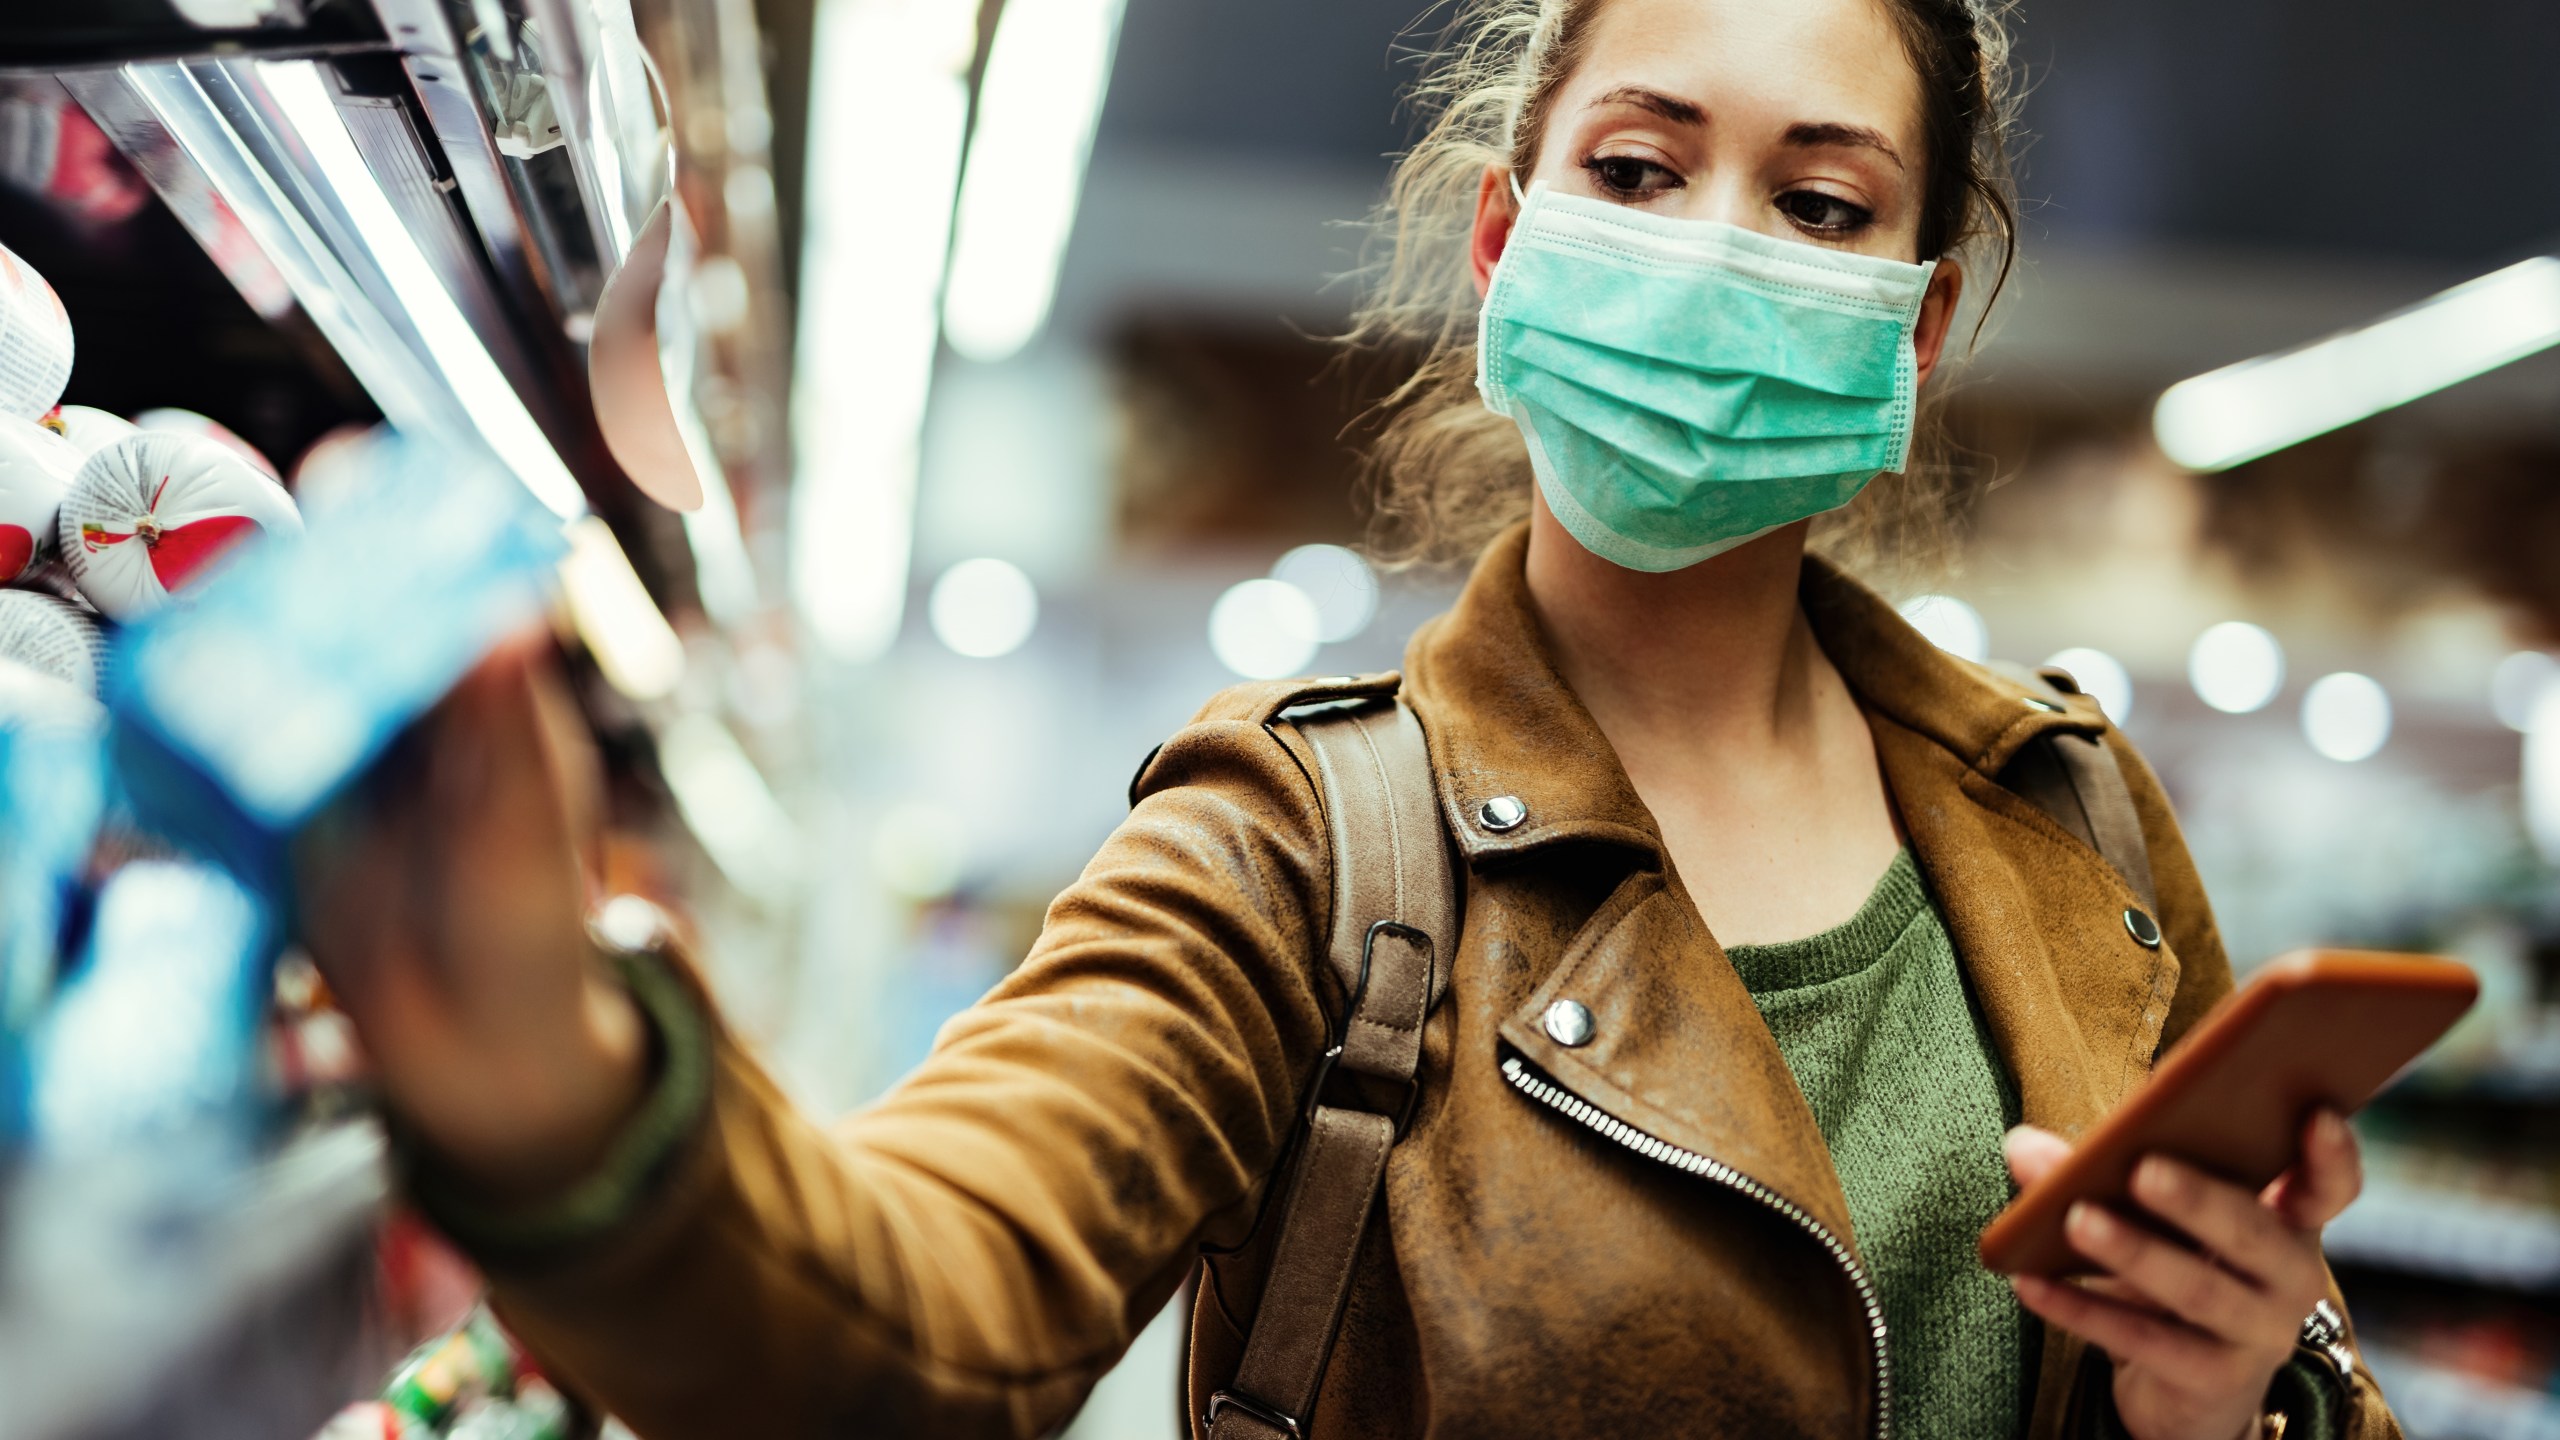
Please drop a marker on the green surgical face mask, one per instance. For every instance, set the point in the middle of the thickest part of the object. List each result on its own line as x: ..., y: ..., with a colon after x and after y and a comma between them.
x: 1686, y: 385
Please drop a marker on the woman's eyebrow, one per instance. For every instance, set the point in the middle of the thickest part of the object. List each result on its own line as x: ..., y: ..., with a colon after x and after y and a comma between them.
x: 1669, y: 107
x: 1817, y: 135
x: 1804, y: 135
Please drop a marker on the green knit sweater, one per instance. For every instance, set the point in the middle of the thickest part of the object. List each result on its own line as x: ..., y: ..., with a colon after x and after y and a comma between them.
x: 1874, y: 1020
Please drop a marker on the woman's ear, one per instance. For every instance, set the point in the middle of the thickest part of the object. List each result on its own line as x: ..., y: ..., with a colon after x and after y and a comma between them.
x: 1937, y: 309
x: 1494, y: 214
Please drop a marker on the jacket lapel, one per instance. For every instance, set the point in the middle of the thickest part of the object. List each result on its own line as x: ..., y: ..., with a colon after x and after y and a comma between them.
x: 2073, y: 1003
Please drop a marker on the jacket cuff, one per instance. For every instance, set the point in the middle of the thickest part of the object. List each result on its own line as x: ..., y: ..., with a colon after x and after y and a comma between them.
x: 2307, y: 1392
x: 636, y: 1165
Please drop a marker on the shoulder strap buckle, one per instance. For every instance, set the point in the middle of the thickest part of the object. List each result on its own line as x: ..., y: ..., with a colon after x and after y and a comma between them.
x: 1251, y: 1409
x: 1320, y: 1088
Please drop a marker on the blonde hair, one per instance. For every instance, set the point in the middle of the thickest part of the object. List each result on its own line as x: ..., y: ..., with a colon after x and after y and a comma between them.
x: 1444, y: 474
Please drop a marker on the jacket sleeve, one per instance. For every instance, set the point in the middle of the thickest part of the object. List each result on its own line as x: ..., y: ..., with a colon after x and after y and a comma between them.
x: 2317, y: 1401
x: 967, y: 1255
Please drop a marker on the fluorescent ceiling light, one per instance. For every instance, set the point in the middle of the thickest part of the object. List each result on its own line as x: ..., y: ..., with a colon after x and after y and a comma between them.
x: 871, y: 271
x: 451, y: 343
x: 2243, y: 411
x: 1046, y: 73
x: 634, y: 645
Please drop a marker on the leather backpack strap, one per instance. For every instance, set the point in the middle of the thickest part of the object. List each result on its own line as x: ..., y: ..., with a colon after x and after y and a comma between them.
x: 1393, y: 929
x: 2078, y: 781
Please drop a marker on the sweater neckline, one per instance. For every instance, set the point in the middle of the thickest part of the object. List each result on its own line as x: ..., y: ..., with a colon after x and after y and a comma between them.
x: 1890, y: 909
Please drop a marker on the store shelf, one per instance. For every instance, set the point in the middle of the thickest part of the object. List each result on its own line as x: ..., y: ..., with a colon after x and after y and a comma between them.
x: 2451, y: 1235
x: 2538, y: 1084
x: 132, y: 1306
x: 2434, y: 1403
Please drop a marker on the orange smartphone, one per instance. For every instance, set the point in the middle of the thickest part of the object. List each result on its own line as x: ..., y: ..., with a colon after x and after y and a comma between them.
x: 2314, y: 1028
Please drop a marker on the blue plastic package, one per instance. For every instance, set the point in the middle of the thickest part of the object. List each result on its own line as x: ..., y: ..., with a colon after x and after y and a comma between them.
x: 52, y: 795
x: 53, y: 787
x: 155, y: 1034
x: 237, y: 718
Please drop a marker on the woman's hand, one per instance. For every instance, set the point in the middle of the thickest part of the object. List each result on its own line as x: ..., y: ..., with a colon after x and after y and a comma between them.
x: 2197, y: 1330
x: 446, y: 902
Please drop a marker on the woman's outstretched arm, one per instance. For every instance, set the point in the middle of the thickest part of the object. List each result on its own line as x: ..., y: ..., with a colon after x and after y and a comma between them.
x: 964, y: 1257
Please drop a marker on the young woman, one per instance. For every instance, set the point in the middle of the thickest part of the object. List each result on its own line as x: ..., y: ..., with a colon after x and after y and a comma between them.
x: 1742, y: 884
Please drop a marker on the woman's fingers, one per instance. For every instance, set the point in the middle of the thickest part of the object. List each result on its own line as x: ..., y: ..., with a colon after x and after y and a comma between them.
x: 444, y: 894
x: 2130, y: 1333
x: 2033, y: 1153
x: 517, y: 812
x: 2228, y: 1222
x: 2172, y: 1277
x: 2327, y: 1179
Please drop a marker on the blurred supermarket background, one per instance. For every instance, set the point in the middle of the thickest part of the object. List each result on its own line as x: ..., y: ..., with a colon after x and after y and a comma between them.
x: 995, y: 335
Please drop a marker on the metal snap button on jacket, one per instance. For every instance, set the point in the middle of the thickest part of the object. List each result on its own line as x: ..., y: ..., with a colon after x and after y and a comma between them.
x: 1502, y: 812
x: 1568, y: 1023
x: 2144, y: 929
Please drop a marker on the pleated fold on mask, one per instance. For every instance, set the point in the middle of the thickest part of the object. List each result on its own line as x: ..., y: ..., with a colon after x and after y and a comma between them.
x: 1687, y: 385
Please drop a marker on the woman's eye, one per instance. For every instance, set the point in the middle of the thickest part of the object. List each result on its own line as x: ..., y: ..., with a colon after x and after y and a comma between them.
x: 1626, y: 177
x: 1823, y: 214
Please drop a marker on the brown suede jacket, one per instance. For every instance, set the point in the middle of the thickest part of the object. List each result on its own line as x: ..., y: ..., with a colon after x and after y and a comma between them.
x: 968, y: 1255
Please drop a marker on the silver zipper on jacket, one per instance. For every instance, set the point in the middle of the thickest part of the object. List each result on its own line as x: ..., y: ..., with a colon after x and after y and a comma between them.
x: 1543, y: 1089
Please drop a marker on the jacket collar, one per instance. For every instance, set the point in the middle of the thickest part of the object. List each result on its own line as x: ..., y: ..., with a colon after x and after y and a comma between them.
x: 1502, y: 722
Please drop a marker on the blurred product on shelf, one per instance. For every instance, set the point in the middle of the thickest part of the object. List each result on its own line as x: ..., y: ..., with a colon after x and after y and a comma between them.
x: 315, y: 1061
x: 51, y: 637
x: 52, y: 793
x: 336, y: 465
x: 35, y: 340
x: 150, y: 514
x: 427, y: 1288
x: 473, y: 1383
x: 88, y: 428
x: 49, y: 147
x: 240, y: 715
x: 153, y: 1040
x: 31, y: 700
x: 176, y: 421
x: 472, y: 1363
x: 36, y: 469
x: 372, y: 1420
x: 2443, y: 1230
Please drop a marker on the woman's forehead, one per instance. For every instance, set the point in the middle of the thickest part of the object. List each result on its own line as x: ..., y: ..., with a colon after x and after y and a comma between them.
x: 1755, y: 64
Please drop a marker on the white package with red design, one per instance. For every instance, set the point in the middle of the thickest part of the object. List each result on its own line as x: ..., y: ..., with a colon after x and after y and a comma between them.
x: 189, y: 422
x: 150, y: 514
x: 88, y: 428
x: 35, y: 340
x: 36, y: 467
x: 54, y: 638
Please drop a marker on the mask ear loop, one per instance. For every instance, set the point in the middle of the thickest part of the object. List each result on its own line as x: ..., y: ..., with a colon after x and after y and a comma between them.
x: 1519, y: 201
